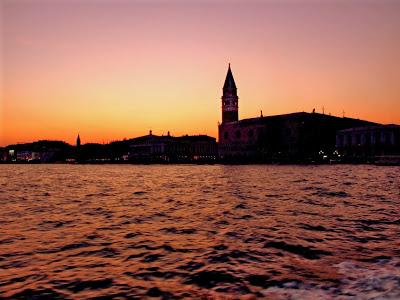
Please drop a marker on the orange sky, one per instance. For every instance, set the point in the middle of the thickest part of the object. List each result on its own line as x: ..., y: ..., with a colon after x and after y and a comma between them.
x: 115, y: 69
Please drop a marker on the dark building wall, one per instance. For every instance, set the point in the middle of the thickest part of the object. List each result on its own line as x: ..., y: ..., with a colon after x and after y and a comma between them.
x: 290, y: 137
x: 44, y: 151
x: 3, y: 154
x: 230, y: 116
x: 369, y: 141
x: 153, y: 148
x: 193, y: 148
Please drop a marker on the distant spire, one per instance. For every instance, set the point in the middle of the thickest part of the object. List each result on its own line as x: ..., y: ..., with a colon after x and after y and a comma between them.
x: 229, y: 81
x: 78, y: 141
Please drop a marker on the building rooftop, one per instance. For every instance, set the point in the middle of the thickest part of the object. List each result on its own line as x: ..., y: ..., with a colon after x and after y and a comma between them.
x: 300, y: 115
x: 373, y: 127
x: 229, y: 81
x: 191, y: 138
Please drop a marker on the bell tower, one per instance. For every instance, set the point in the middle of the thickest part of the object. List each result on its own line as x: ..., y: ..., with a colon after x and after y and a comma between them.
x: 230, y: 99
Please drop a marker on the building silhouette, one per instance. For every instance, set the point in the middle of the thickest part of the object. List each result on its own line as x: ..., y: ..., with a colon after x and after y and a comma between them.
x: 230, y: 99
x: 294, y: 137
x: 167, y: 148
x: 297, y: 137
x: 370, y: 143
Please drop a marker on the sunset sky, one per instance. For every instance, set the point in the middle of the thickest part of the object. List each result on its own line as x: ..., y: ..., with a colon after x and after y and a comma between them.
x: 114, y: 69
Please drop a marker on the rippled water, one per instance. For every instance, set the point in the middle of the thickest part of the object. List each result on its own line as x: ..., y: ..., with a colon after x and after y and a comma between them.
x: 123, y: 232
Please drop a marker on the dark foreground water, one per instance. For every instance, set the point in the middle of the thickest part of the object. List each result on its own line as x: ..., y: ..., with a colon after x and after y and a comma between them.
x: 123, y: 232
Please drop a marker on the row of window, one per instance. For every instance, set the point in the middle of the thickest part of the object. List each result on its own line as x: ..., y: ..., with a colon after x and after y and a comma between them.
x: 230, y: 102
x: 366, y: 138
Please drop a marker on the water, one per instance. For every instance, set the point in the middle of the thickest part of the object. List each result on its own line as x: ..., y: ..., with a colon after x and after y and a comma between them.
x: 123, y: 232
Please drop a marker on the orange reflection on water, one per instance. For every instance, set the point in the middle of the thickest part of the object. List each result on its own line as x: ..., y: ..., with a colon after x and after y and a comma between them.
x: 82, y: 231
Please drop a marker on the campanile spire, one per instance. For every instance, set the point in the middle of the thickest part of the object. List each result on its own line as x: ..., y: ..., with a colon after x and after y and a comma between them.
x: 229, y: 99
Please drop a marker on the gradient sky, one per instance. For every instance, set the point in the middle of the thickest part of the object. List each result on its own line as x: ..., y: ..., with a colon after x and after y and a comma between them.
x: 113, y: 69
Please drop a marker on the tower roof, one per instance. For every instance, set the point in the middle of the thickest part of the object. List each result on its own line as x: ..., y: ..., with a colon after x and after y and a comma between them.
x: 229, y: 81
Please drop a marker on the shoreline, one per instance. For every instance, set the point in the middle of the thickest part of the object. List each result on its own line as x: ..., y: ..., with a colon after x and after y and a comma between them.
x: 201, y: 163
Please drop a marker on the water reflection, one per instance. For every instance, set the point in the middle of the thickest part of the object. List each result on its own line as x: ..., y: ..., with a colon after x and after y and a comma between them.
x: 279, y: 232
